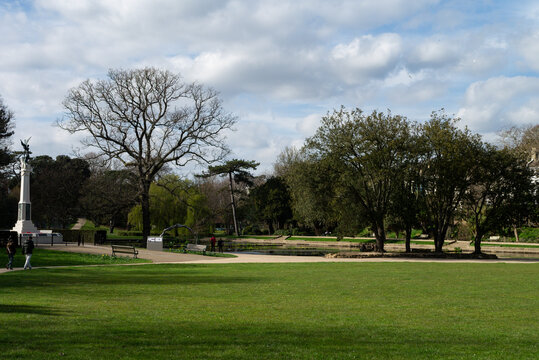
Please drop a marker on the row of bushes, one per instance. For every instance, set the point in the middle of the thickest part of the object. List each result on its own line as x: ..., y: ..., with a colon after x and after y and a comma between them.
x: 82, y: 236
x: 525, y: 234
x: 129, y: 233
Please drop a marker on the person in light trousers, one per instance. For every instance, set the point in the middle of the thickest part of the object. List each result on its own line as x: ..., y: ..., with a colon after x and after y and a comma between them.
x: 28, y: 249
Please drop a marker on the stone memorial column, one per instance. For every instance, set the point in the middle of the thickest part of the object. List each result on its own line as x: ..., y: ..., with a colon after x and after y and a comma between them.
x: 24, y: 221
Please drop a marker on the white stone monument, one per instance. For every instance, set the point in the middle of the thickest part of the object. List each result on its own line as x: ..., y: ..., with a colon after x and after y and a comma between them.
x: 24, y: 223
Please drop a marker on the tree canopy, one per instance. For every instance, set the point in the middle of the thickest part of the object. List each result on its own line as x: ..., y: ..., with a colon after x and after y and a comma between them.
x: 148, y: 118
x: 56, y: 189
x: 370, y: 152
x: 447, y: 163
x: 238, y: 172
x: 500, y: 194
x: 8, y: 205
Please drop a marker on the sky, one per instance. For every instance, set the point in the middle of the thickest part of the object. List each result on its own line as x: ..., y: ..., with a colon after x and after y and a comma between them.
x: 279, y: 66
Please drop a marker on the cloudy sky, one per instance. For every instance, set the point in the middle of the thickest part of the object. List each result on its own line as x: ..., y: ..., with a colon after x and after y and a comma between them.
x: 279, y: 65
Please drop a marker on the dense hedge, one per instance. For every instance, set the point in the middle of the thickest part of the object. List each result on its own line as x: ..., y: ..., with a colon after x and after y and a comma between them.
x: 76, y: 236
x: 129, y: 233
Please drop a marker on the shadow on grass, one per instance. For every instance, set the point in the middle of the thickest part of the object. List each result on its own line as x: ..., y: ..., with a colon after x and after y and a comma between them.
x: 262, y: 340
x: 29, y: 309
x: 136, y: 275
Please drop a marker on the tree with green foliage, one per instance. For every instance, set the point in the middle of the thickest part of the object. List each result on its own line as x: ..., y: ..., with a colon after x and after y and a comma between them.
x: 199, y: 217
x: 174, y: 201
x: 370, y: 151
x: 272, y: 203
x: 6, y: 131
x: 501, y: 193
x: 8, y: 204
x: 524, y: 141
x: 311, y: 181
x: 57, y: 186
x: 448, y: 162
x: 148, y: 119
x: 404, y: 208
x: 168, y: 206
x: 237, y: 171
x: 108, y: 195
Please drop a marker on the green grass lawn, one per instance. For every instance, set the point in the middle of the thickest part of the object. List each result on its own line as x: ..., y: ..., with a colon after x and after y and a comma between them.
x: 43, y: 257
x: 207, y: 253
x: 272, y: 311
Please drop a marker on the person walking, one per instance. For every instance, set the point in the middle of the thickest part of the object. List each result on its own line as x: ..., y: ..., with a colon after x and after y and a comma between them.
x: 11, y: 249
x: 28, y: 249
x: 220, y: 244
x: 212, y: 242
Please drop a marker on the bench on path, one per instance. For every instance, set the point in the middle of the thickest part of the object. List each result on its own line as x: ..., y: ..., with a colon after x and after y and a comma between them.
x: 196, y: 248
x: 126, y: 249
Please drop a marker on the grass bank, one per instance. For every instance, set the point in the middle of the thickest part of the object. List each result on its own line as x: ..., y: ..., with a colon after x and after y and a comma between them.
x: 273, y: 311
x: 43, y: 257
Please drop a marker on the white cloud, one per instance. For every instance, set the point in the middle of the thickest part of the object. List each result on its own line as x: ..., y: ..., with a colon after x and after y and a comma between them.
x: 501, y: 102
x: 46, y: 139
x: 366, y: 57
x: 529, y: 48
x: 277, y: 62
x: 435, y: 52
x: 309, y: 124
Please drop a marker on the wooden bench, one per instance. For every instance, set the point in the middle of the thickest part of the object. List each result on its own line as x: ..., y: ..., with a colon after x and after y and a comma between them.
x: 195, y: 248
x: 126, y: 249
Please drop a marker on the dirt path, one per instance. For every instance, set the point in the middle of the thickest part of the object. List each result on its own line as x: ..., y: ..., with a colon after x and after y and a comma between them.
x: 80, y: 223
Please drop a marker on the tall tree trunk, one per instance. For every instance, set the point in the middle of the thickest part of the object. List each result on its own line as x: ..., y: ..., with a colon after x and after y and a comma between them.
x: 477, y: 243
x: 515, y: 230
x: 270, y: 227
x: 380, y: 235
x: 438, y: 242
x: 408, y: 238
x: 145, y: 204
x: 233, y: 202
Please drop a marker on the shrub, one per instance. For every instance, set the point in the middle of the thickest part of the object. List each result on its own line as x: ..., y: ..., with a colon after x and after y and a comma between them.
x: 86, y: 236
x: 129, y: 233
x: 529, y: 234
x: 366, y: 232
x: 251, y: 230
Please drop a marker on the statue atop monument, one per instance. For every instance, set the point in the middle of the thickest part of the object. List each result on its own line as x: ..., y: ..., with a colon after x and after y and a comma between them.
x: 26, y: 146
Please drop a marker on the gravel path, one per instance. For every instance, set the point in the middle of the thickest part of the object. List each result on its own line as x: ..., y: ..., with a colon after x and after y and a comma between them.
x: 158, y: 257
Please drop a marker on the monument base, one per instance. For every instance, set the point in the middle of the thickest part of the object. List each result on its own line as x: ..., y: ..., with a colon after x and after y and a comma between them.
x: 25, y: 226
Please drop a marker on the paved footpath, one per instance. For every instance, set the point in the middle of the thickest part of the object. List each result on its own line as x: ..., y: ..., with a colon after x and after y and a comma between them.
x: 162, y: 257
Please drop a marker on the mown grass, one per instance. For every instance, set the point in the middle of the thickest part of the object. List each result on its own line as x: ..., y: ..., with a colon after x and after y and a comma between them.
x: 43, y: 257
x: 273, y: 311
x: 206, y: 253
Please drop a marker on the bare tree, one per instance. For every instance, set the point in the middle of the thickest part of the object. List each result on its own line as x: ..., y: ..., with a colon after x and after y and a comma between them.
x: 146, y: 119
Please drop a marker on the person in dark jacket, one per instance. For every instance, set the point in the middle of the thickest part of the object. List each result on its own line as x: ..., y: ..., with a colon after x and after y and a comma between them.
x: 220, y: 244
x: 11, y: 249
x: 28, y: 249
